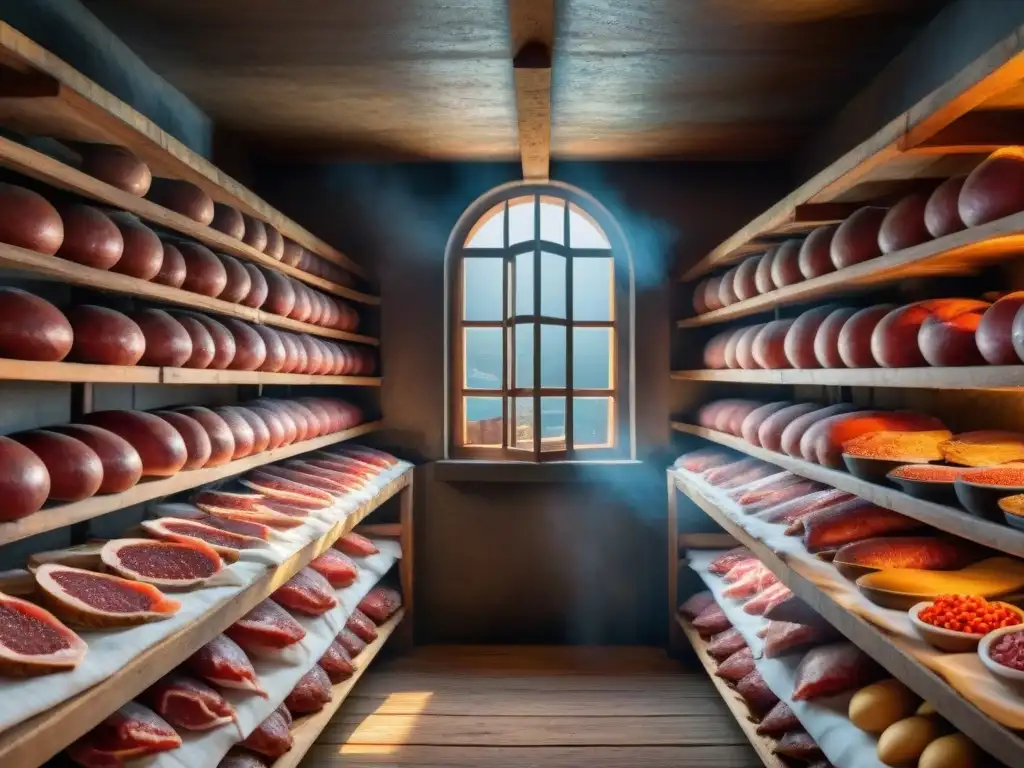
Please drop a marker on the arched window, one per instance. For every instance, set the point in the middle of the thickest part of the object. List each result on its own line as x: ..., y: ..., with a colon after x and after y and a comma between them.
x: 540, y: 300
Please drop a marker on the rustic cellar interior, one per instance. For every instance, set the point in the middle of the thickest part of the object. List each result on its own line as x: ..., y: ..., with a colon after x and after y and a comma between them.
x: 360, y: 363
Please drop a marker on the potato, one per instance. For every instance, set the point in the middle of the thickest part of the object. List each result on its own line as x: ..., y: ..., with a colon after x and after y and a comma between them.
x: 876, y: 707
x: 903, y: 742
x: 953, y: 751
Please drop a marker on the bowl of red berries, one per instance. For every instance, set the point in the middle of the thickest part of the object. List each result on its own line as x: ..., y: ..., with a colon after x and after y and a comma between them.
x: 957, y: 623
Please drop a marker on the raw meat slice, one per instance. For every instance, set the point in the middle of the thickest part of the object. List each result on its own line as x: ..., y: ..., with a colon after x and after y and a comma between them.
x: 228, y: 500
x: 737, y: 666
x: 725, y: 644
x: 718, y: 475
x: 792, y: 609
x: 223, y: 663
x: 354, y: 545
x: 286, y: 490
x: 307, y: 592
x: 796, y: 527
x: 248, y: 508
x: 695, y: 604
x: 335, y: 484
x: 741, y: 569
x: 367, y: 455
x: 239, y: 758
x: 753, y: 492
x: 187, y: 703
x: 343, y: 466
x: 711, y: 621
x: 271, y: 737
x: 833, y: 669
x: 190, y: 512
x: 268, y: 626
x: 380, y: 603
x: 33, y: 642
x: 164, y: 564
x: 99, y: 600
x: 783, y: 596
x: 757, y: 694
x: 333, y: 488
x: 778, y: 496
x: 337, y: 663
x: 800, y: 746
x: 361, y: 625
x: 350, y: 642
x: 337, y: 568
x: 779, y: 721
x: 349, y: 482
x: 702, y: 460
x: 833, y: 527
x: 796, y: 508
x: 133, y: 731
x: 757, y: 605
x: 311, y: 693
x: 225, y: 543
x: 723, y: 564
x: 784, y: 637
x: 751, y: 584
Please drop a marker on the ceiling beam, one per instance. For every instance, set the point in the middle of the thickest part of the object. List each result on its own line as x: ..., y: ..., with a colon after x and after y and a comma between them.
x: 532, y: 29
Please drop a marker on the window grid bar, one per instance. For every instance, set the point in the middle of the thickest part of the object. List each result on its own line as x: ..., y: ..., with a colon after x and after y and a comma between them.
x: 569, y: 438
x: 536, y: 327
x: 523, y: 319
x: 544, y: 392
x: 527, y: 245
x: 504, y: 332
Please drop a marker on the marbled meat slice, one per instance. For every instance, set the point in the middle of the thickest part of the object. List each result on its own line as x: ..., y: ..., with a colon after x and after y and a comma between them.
x: 792, y: 510
x: 737, y: 666
x: 754, y: 492
x: 271, y: 737
x: 268, y: 626
x: 757, y: 605
x: 311, y: 693
x: 343, y: 466
x: 337, y: 568
x: 187, y: 703
x: 224, y: 542
x: 695, y: 604
x: 724, y: 563
x: 725, y: 644
x: 711, y: 621
x: 347, y: 481
x: 240, y: 758
x: 757, y: 694
x: 361, y: 625
x: 223, y: 663
x: 350, y: 642
x: 307, y: 592
x: 337, y: 663
x: 354, y: 545
x: 315, y: 482
x: 751, y: 584
x: 380, y: 603
x: 131, y: 732
x: 784, y: 637
x: 833, y: 669
x: 282, y: 488
x: 98, y: 600
x: 779, y: 721
x: 34, y: 642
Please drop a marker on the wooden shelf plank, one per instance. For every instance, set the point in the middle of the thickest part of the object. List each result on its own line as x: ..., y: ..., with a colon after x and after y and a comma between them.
x: 1001, y: 742
x: 306, y: 730
x: 34, y: 741
x: 52, y: 268
x: 958, y: 253
x: 52, y: 518
x: 949, y: 519
x: 80, y: 110
x: 207, y: 376
x: 761, y: 744
x: 967, y: 377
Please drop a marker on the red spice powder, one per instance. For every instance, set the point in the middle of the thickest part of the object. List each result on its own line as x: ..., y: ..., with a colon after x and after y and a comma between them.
x: 928, y: 473
x: 1008, y: 475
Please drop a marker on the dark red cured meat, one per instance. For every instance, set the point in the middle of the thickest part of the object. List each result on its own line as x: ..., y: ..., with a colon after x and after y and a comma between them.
x: 239, y: 758
x: 344, y: 465
x: 354, y: 545
x: 753, y: 493
x: 725, y: 644
x: 757, y: 694
x: 737, y: 666
x: 695, y: 604
x: 168, y: 560
x: 189, y: 704
x: 757, y: 605
x: 109, y: 594
x: 832, y: 669
x: 223, y: 663
x: 711, y: 621
x: 368, y: 455
x: 311, y: 693
x: 267, y: 626
x: 361, y: 626
x: 784, y: 637
x: 779, y: 721
x: 282, y: 710
x: 307, y: 592
x: 795, y: 491
x: 333, y: 487
x: 752, y: 583
x: 838, y: 525
x: 1009, y: 651
x: 212, y: 530
x: 800, y: 746
x: 339, y: 481
x: 380, y: 603
x: 337, y: 663
x: 741, y: 569
x: 241, y: 527
x: 281, y: 488
x: 337, y: 568
x: 271, y: 737
x: 724, y: 564
x: 350, y: 642
x: 796, y: 508
x: 133, y: 731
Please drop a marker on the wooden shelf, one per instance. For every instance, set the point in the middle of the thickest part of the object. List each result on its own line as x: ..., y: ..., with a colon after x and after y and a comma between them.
x: 967, y: 377
x: 950, y: 519
x: 47, y: 97
x: 52, y: 268
x: 306, y: 730
x: 34, y: 741
x: 761, y: 744
x: 52, y: 518
x: 207, y: 376
x: 705, y: 541
x: 944, y: 134
x: 1001, y: 742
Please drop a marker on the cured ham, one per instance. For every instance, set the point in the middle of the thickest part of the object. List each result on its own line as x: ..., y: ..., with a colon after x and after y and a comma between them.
x: 723, y: 564
x: 98, y: 600
x: 227, y: 544
x: 333, y: 488
x: 784, y: 637
x: 752, y: 583
x: 246, y: 508
x: 311, y: 693
x: 223, y: 663
x: 271, y: 737
x: 345, y: 480
x: 380, y: 603
x: 190, y: 512
x: 741, y: 569
x: 307, y: 592
x: 354, y: 545
x: 285, y: 489
x: 367, y: 455
x: 337, y: 568
x: 189, y: 704
x: 800, y: 746
x: 337, y: 663
x: 695, y: 604
x: 361, y: 626
x: 239, y: 758
x: 756, y: 693
x: 348, y: 640
x: 833, y: 669
x: 34, y: 642
x: 133, y: 731
x: 722, y: 473
x: 725, y: 644
x: 737, y: 666
x: 758, y: 604
x: 779, y: 721
x: 268, y: 626
x: 711, y: 621
x: 767, y: 499
x: 343, y: 466
x: 794, y: 509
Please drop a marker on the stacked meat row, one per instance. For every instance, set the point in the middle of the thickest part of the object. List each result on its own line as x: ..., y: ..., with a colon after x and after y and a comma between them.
x: 992, y: 191
x: 32, y: 328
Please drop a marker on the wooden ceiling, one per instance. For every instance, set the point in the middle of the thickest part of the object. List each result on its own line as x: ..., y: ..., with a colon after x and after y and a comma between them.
x: 433, y: 79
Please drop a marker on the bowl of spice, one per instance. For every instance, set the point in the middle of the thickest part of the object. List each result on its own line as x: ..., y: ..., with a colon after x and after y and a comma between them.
x: 1002, y: 653
x: 1013, y: 510
x: 871, y: 456
x: 979, y: 490
x: 957, y: 623
x: 930, y: 482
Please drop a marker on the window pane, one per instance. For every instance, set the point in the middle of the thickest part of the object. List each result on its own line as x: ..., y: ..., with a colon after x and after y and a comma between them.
x: 591, y: 421
x: 483, y: 358
x: 552, y: 356
x: 552, y: 423
x: 552, y: 284
x: 552, y: 220
x: 592, y: 289
x: 521, y: 219
x: 523, y: 437
x: 482, y: 289
x: 524, y: 355
x: 483, y: 420
x: 524, y: 284
x: 491, y: 233
x: 583, y: 232
x: 591, y: 358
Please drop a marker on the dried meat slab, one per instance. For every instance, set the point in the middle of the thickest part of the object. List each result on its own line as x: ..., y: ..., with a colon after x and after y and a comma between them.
x: 361, y: 625
x: 787, y: 513
x: 228, y: 544
x: 752, y: 583
x: 34, y: 642
x: 348, y: 640
x: 285, y: 489
x: 380, y: 603
x: 307, y: 592
x: 833, y: 527
x: 267, y: 627
x: 779, y: 721
x: 833, y: 669
x: 223, y: 663
x: 337, y: 567
x: 98, y: 600
x: 337, y: 662
x: 785, y: 637
x: 725, y: 644
x: 311, y: 693
x: 711, y: 621
x: 695, y: 604
x: 737, y: 666
x: 757, y: 694
x: 187, y: 703
x: 133, y: 731
x: 240, y: 758
x: 757, y: 605
x: 800, y: 746
x: 354, y: 545
x: 271, y: 737
x: 724, y: 563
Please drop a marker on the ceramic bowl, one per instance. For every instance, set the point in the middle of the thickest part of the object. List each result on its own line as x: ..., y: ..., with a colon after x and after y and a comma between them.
x: 938, y: 491
x: 1014, y: 519
x: 983, y: 500
x: 993, y: 666
x: 872, y: 470
x: 947, y: 639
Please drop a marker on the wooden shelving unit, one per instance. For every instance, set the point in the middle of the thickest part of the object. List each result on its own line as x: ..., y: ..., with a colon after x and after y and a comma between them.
x: 999, y: 741
x: 967, y: 377
x: 34, y: 741
x: 52, y: 518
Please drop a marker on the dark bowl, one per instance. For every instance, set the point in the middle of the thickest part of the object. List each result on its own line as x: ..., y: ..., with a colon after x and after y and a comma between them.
x: 983, y: 500
x: 873, y: 470
x: 1012, y: 519
x: 938, y: 491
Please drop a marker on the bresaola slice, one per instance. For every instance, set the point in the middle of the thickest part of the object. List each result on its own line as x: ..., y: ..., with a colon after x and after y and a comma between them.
x: 779, y: 721
x: 307, y: 592
x: 833, y: 669
x: 380, y: 603
x: 695, y: 604
x: 350, y: 481
x: 361, y: 626
x: 246, y: 507
x: 367, y: 455
x: 756, y: 693
x: 240, y: 758
x: 723, y: 564
x: 164, y: 564
x: 99, y: 600
x: 784, y: 637
x: 758, y: 604
x: 337, y: 485
x: 354, y: 545
x: 725, y: 644
x: 226, y: 543
x: 311, y: 693
x: 348, y: 640
x: 223, y: 663
x: 337, y: 663
x: 133, y: 731
x: 337, y: 568
x: 281, y: 488
x: 711, y: 621
x: 267, y: 627
x: 189, y: 704
x: 737, y: 666
x: 271, y: 737
x: 34, y: 642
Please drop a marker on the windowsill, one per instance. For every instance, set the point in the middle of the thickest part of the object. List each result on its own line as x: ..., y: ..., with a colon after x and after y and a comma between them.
x: 477, y: 471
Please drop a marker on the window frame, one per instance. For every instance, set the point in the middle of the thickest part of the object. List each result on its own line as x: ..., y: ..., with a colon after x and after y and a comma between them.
x: 621, y: 418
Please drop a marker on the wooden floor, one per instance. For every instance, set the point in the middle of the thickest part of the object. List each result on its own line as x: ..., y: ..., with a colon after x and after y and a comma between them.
x: 507, y: 707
